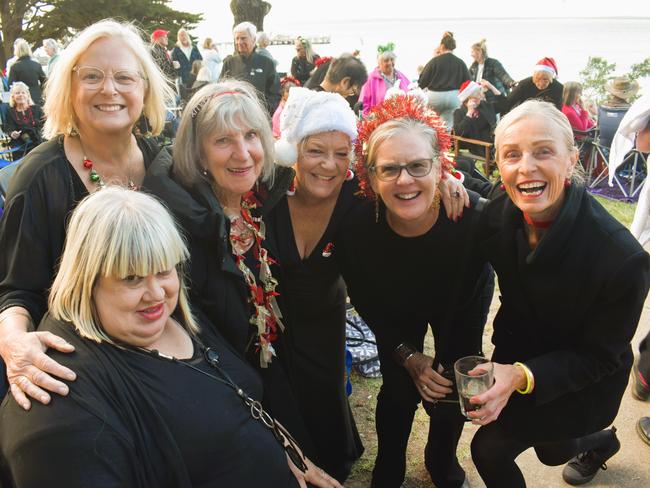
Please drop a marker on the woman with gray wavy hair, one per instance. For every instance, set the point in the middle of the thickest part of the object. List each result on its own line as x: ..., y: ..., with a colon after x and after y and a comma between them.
x: 223, y: 151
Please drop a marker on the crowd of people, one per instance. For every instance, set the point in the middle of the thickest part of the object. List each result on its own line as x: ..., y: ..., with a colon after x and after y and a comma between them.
x: 175, y: 315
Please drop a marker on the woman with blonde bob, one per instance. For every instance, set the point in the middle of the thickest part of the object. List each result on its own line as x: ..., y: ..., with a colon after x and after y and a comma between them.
x: 24, y: 118
x: 573, y: 282
x: 154, y: 404
x: 100, y: 86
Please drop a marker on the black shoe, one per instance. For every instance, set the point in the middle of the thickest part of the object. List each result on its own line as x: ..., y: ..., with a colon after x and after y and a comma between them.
x: 638, y: 389
x: 643, y: 429
x: 582, y: 468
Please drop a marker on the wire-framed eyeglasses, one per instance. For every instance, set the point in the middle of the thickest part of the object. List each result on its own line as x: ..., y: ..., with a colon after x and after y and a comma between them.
x: 389, y: 172
x: 125, y: 80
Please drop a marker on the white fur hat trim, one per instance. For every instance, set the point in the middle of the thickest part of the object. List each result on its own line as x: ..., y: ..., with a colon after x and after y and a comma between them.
x: 308, y: 112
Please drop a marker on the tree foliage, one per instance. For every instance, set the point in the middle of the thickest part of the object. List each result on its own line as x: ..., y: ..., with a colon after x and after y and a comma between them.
x: 36, y: 20
x: 252, y: 11
x: 598, y: 72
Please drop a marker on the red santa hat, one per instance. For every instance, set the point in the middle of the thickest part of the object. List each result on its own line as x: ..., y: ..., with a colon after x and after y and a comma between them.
x: 548, y: 65
x: 468, y: 89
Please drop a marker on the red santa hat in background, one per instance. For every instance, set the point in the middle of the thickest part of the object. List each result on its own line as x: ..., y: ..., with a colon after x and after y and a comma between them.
x: 468, y: 89
x: 547, y: 65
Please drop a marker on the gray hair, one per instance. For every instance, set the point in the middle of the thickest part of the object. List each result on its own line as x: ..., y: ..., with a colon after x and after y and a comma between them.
x: 19, y: 85
x: 52, y: 44
x: 545, y: 111
x: 216, y: 108
x: 247, y: 27
x: 386, y: 55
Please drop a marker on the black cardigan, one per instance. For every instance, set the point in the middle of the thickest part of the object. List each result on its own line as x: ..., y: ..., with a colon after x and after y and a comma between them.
x: 444, y: 73
x: 569, y: 310
x: 526, y: 90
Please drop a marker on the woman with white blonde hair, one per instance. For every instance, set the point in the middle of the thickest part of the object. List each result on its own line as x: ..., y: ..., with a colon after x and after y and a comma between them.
x: 152, y: 392
x: 102, y: 83
x: 24, y: 118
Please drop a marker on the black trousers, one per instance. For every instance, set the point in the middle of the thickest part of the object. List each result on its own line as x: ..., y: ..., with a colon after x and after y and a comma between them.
x: 397, y: 402
x: 644, y: 358
x: 494, y: 452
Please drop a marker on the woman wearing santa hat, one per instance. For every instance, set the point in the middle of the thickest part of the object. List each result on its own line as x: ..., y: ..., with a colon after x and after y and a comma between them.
x: 318, y: 130
x: 543, y: 85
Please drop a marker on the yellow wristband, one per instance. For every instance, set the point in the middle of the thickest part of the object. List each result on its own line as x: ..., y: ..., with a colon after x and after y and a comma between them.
x: 530, y: 379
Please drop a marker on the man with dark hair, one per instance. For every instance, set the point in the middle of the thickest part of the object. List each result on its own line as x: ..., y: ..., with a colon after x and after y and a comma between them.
x: 248, y: 64
x: 345, y: 76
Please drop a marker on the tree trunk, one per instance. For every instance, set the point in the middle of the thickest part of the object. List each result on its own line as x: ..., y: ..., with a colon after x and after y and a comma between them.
x: 252, y: 11
x: 12, y: 13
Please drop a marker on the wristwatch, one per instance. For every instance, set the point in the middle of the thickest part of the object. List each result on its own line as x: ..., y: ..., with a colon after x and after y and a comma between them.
x: 403, y: 352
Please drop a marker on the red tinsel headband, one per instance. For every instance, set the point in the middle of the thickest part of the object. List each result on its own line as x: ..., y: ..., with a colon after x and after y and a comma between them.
x: 323, y: 60
x: 401, y: 106
x: 207, y: 98
x: 289, y: 79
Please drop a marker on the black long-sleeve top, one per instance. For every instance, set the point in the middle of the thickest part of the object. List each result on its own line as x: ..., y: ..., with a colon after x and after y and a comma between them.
x: 444, y: 73
x: 399, y: 284
x: 135, y: 420
x: 526, y: 90
x: 301, y: 68
x: 495, y: 73
x: 569, y: 310
x: 29, y: 122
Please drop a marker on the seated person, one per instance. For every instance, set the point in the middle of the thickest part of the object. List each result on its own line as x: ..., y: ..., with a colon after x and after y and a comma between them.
x: 574, y: 108
x: 476, y: 119
x: 158, y: 400
x: 24, y: 118
x: 543, y: 85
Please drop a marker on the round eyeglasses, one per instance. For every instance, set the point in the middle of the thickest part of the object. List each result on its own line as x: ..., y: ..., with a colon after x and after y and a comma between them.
x: 392, y: 171
x: 125, y: 80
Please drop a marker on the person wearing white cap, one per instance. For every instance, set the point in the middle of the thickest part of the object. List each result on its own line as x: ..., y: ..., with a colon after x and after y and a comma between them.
x: 543, y: 85
x: 317, y: 132
x: 476, y: 118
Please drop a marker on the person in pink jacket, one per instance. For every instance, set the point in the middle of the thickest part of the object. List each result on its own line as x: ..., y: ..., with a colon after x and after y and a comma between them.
x: 383, y: 77
x: 573, y: 107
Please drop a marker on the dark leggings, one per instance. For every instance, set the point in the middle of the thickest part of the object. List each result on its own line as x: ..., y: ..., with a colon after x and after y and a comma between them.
x: 494, y: 452
x: 644, y: 358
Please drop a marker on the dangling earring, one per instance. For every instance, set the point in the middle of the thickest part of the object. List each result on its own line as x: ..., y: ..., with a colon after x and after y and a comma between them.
x: 204, y: 172
x: 502, y: 187
x: 376, y: 210
x: 567, y: 183
x: 349, y: 175
x: 291, y: 191
x: 435, y: 204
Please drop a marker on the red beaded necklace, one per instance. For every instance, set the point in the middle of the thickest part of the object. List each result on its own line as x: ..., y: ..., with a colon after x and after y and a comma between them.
x: 96, y: 178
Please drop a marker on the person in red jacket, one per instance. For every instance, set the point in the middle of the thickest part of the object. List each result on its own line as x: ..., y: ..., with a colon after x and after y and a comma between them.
x: 574, y: 108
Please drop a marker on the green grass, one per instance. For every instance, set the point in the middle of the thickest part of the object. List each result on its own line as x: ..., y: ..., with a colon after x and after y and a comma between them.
x: 621, y: 211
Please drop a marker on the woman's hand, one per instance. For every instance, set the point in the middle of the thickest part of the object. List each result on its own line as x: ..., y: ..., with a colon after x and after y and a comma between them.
x: 15, y: 134
x: 314, y: 475
x: 454, y: 197
x: 507, y: 379
x: 431, y: 385
x: 28, y: 367
x: 489, y: 86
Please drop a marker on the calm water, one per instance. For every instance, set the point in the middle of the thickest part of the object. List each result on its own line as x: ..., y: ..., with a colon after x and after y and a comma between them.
x: 517, y: 43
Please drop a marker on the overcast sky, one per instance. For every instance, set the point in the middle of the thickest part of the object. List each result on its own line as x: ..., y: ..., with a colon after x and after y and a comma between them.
x: 218, y: 18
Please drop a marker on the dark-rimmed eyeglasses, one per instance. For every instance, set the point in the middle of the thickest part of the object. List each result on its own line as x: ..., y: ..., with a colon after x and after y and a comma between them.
x: 125, y: 80
x: 392, y: 171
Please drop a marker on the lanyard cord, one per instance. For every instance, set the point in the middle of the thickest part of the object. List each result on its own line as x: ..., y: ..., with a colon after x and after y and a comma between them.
x: 257, y: 412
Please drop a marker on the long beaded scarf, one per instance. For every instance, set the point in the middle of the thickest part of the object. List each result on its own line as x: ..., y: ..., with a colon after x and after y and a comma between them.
x: 266, y: 317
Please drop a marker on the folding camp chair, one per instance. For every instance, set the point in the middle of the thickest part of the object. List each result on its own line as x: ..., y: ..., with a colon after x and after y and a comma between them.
x: 486, y: 159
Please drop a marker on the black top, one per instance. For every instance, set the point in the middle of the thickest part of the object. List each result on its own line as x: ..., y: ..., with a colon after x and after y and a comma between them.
x: 132, y: 419
x: 480, y: 127
x: 569, y: 310
x: 43, y: 192
x: 259, y: 71
x: 399, y: 284
x: 31, y: 73
x: 301, y: 68
x: 443, y: 73
x: 314, y: 299
x: 526, y: 90
x: 29, y: 123
x: 495, y: 73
